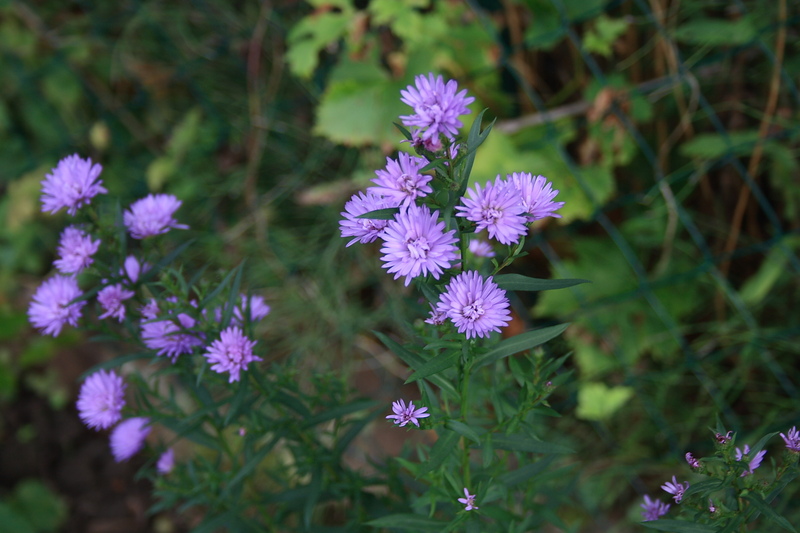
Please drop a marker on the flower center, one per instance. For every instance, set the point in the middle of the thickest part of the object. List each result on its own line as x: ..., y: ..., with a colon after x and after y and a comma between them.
x: 418, y: 248
x: 474, y: 310
x: 491, y: 214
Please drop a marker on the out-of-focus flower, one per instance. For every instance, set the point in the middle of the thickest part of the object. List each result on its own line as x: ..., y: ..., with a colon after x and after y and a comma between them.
x: 401, y: 180
x: 792, y: 440
x: 111, y: 299
x: 724, y: 439
x: 437, y: 106
x: 72, y: 184
x: 436, y: 317
x: 468, y: 500
x: 364, y: 230
x: 101, y: 399
x: 128, y: 438
x: 497, y: 208
x: 132, y: 268
x: 51, y: 309
x: 676, y: 489
x: 693, y: 462
x: 481, y: 248
x: 476, y: 306
x: 168, y: 336
x: 403, y: 414
x: 415, y: 244
x: 255, y: 304
x: 754, y: 463
x: 537, y: 195
x: 75, y: 251
x: 166, y: 462
x: 653, y: 509
x: 231, y: 353
x: 152, y: 215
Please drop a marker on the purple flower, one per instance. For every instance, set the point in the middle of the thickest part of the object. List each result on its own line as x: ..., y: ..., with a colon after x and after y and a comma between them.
x: 401, y: 180
x: 256, y: 305
x: 498, y: 208
x: 165, y: 335
x: 537, y: 195
x: 231, y: 353
x: 133, y: 268
x: 364, y: 230
x: 481, y: 248
x: 693, y: 462
x: 71, y: 184
x: 51, y: 307
x: 404, y: 414
x: 415, y: 244
x: 101, y: 399
x: 793, y: 440
x: 653, y: 509
x: 128, y: 438
x: 469, y: 501
x: 75, y: 250
x: 152, y: 215
x: 111, y: 299
x: 711, y: 507
x: 723, y: 439
x: 436, y: 317
x: 475, y: 305
x: 166, y: 462
x: 754, y: 463
x: 676, y: 489
x: 436, y: 105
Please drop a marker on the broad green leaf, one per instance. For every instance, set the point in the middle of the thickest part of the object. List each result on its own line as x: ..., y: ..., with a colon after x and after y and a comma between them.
x: 524, y: 443
x: 440, y: 452
x: 310, y: 36
x: 678, y: 526
x: 518, y: 282
x: 597, y: 401
x: 601, y: 37
x: 757, y: 286
x: 410, y: 522
x: 714, y: 145
x: 519, y: 343
x: 44, y: 509
x: 717, y: 31
x: 769, y: 512
x: 438, y: 364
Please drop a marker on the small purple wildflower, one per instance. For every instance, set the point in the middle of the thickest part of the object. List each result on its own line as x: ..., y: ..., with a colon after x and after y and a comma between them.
x: 792, y: 440
x: 128, y: 438
x: 166, y: 462
x: 165, y: 335
x: 437, y: 106
x: 152, y: 215
x: 365, y: 230
x: 404, y: 414
x: 401, y: 180
x: 693, y: 462
x: 537, y: 195
x: 676, y: 489
x: 711, y: 507
x: 468, y: 500
x: 101, y: 399
x: 50, y: 308
x: 133, y: 268
x: 475, y: 305
x: 75, y: 251
x: 496, y: 207
x: 723, y: 439
x: 111, y: 299
x: 754, y: 463
x: 256, y: 305
x: 72, y: 184
x: 436, y: 318
x: 415, y: 244
x: 231, y: 353
x: 653, y: 509
x: 481, y: 248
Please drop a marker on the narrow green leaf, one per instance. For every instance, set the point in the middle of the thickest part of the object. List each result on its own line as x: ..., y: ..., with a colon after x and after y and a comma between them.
x: 412, y: 522
x: 518, y: 282
x: 414, y: 361
x: 251, y: 464
x: 524, y: 443
x: 769, y: 512
x: 440, y: 451
x: 381, y: 214
x: 706, y: 487
x: 678, y: 526
x: 519, y: 343
x: 438, y: 364
x: 463, y: 429
x: 340, y: 411
x: 526, y: 472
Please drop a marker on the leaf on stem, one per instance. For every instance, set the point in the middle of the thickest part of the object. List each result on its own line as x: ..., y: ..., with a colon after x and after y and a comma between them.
x: 518, y: 282
x: 519, y: 343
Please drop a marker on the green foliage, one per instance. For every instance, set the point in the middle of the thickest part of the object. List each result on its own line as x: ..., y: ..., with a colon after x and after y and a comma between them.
x: 32, y: 508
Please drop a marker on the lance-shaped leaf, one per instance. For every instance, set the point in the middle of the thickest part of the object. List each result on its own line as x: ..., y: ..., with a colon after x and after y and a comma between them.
x: 386, y: 213
x: 439, y: 363
x: 519, y: 343
x: 518, y: 282
x: 440, y: 451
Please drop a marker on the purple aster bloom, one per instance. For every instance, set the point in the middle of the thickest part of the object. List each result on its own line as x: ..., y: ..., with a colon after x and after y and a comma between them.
x: 152, y: 215
x: 792, y: 440
x: 498, y: 208
x: 481, y: 248
x: 415, y: 244
x: 166, y: 462
x: 404, y: 414
x: 75, y: 250
x: 693, y: 462
x: 364, y: 230
x: 101, y: 399
x: 676, y: 489
x: 653, y: 509
x: 132, y: 268
x: 436, y: 317
x: 111, y: 299
x: 128, y: 438
x: 537, y: 195
x: 168, y: 336
x: 72, y: 184
x: 475, y: 305
x: 468, y: 500
x: 51, y: 307
x: 257, y: 306
x: 231, y: 353
x: 401, y: 180
x: 754, y: 463
x: 437, y: 106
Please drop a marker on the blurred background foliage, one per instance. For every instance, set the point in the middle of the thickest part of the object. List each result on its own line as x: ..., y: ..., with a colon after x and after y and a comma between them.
x: 670, y: 128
